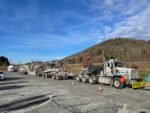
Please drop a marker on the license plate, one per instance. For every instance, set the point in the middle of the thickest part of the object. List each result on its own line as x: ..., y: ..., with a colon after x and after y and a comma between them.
x: 138, y: 84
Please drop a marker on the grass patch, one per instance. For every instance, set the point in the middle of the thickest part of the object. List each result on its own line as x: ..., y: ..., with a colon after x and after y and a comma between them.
x: 3, y: 68
x: 144, y: 72
x: 74, y: 68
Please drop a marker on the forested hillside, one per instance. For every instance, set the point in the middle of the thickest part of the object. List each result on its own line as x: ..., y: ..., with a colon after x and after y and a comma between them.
x: 128, y: 50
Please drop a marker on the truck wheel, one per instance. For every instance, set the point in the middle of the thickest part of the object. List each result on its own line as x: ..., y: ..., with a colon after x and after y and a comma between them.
x: 57, y: 77
x: 84, y: 79
x: 117, y: 84
x: 111, y: 82
x: 43, y: 75
x: 78, y: 79
x: 46, y: 75
x: 53, y: 77
x: 64, y: 77
x: 36, y: 74
x: 91, y: 80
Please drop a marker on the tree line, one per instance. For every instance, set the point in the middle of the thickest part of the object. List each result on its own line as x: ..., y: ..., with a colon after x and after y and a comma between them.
x: 4, y: 61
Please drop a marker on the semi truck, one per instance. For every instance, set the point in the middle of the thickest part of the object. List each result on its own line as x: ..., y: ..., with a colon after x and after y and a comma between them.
x: 113, y: 73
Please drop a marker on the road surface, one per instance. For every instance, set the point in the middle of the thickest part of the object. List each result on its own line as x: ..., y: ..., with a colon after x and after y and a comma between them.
x: 30, y: 94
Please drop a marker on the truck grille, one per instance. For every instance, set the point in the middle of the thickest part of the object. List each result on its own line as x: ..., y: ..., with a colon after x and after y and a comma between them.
x: 135, y: 74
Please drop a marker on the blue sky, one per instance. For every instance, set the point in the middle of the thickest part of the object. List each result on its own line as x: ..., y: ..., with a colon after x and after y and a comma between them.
x: 59, y: 28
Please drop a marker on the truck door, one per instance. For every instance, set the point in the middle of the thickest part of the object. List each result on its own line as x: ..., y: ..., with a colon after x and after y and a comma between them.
x: 110, y: 69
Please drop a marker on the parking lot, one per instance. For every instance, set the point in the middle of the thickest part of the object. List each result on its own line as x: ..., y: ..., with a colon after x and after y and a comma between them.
x: 30, y: 94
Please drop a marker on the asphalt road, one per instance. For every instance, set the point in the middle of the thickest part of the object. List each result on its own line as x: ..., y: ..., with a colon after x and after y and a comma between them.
x: 29, y: 94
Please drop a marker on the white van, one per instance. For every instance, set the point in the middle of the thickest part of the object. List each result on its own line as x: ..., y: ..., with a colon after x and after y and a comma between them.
x: 10, y: 68
x: 2, y: 76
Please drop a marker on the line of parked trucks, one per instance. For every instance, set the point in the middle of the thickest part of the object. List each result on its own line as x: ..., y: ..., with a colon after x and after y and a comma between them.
x: 111, y: 72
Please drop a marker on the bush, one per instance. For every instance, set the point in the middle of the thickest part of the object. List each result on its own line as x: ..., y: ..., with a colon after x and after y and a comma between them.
x: 4, y: 61
x: 134, y: 66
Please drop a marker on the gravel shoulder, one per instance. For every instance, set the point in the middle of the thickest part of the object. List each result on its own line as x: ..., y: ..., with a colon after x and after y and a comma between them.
x: 29, y: 94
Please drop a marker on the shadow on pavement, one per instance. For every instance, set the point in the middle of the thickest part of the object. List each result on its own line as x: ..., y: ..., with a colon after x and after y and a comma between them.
x: 23, y: 103
x: 142, y: 112
x: 5, y: 83
x: 146, y: 89
x: 10, y: 87
x: 12, y: 78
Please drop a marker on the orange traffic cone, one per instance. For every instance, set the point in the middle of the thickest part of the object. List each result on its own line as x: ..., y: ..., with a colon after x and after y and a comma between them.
x: 72, y: 82
x: 101, y: 89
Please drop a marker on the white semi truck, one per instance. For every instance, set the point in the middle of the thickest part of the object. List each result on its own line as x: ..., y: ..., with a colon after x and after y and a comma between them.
x: 113, y: 73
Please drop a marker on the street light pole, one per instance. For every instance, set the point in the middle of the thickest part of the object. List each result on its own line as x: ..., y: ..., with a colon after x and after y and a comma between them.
x: 37, y: 55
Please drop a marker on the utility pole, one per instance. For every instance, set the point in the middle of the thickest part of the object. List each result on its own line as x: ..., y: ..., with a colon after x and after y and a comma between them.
x: 104, y: 61
x: 76, y: 60
x: 122, y: 55
x: 37, y: 55
x: 103, y: 56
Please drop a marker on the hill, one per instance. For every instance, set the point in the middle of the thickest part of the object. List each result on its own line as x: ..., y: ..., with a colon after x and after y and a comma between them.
x: 124, y: 49
x: 4, y: 61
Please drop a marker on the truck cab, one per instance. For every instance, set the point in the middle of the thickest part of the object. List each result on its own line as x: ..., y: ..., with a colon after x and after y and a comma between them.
x: 112, y: 67
x: 119, y: 74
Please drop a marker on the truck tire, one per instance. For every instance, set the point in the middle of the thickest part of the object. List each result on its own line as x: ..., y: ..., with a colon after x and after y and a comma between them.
x: 78, y: 79
x: 36, y: 74
x: 57, y: 77
x: 53, y: 77
x: 46, y: 75
x: 111, y: 83
x: 117, y: 84
x: 43, y: 75
x: 92, y: 80
x: 84, y: 79
x: 64, y: 77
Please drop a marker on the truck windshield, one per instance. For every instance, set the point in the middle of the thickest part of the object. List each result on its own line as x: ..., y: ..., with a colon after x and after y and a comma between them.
x: 118, y: 64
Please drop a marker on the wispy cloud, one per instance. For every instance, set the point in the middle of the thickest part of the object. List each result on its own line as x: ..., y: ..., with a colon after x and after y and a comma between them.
x: 121, y: 18
x: 60, y: 28
x: 136, y: 26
